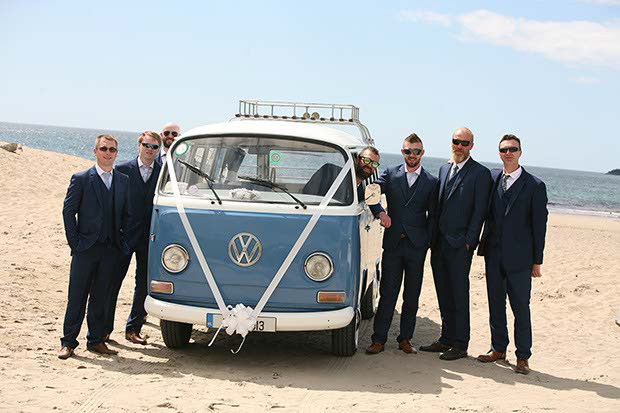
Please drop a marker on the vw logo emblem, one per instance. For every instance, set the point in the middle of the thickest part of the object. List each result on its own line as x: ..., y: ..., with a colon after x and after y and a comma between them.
x: 244, y: 249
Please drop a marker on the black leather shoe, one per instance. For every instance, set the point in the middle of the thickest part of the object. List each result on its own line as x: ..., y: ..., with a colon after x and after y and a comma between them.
x: 453, y: 354
x: 436, y: 347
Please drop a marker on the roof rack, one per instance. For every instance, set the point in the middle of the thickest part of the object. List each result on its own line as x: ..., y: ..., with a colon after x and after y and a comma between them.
x: 305, y: 112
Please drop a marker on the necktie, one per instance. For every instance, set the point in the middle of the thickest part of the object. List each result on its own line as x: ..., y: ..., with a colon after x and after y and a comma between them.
x: 454, y: 171
x: 505, y: 182
x: 146, y: 174
x: 107, y: 179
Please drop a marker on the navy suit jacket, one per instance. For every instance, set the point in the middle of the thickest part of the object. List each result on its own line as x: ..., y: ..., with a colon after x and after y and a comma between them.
x: 141, y: 200
x: 411, y: 214
x: 84, y: 199
x: 461, y: 215
x: 524, y: 223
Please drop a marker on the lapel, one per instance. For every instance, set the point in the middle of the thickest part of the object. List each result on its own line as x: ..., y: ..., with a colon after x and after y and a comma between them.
x: 135, y: 173
x: 459, y: 177
x: 498, y: 185
x: 93, y: 176
x: 516, y: 189
x: 420, y: 182
x: 118, y: 196
x: 443, y: 177
x: 401, y: 177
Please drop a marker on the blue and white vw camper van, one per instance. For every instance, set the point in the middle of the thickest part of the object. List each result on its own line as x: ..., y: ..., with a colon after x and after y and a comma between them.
x: 258, y: 225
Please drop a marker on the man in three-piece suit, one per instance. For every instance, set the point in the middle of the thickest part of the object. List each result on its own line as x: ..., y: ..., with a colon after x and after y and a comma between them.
x: 168, y: 134
x: 99, y: 197
x: 462, y: 203
x: 411, y: 193
x: 143, y: 173
x: 512, y: 243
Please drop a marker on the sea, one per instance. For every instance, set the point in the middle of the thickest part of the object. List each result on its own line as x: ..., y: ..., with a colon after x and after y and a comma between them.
x: 577, y: 192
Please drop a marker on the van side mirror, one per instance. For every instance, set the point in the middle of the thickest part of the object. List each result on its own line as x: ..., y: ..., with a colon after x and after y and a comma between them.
x: 372, y: 194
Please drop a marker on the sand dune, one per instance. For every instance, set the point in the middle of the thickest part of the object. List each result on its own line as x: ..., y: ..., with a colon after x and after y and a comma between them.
x: 575, y: 363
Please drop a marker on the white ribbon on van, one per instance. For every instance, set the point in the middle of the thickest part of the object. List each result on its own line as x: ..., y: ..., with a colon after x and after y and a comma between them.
x: 241, y: 319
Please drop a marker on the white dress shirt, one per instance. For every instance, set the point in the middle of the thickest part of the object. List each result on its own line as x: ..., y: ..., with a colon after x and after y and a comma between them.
x: 412, y: 176
x: 512, y: 177
x: 163, y: 156
x: 145, y: 171
x: 459, y: 165
x: 100, y: 172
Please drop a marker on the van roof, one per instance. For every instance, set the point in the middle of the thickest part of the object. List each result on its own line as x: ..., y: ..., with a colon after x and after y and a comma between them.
x: 279, y: 128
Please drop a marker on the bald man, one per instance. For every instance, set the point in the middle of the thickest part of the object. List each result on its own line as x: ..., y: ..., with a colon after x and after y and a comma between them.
x: 168, y: 134
x: 462, y: 203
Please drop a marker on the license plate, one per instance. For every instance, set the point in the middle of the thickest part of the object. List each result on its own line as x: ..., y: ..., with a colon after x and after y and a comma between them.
x: 263, y: 324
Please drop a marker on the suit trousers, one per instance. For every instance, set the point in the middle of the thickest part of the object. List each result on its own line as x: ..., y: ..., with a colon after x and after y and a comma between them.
x: 89, y: 281
x: 451, y: 274
x: 135, y: 320
x: 410, y: 260
x: 518, y: 287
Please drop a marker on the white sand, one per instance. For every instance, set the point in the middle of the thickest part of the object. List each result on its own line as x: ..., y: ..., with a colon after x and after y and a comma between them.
x: 575, y: 362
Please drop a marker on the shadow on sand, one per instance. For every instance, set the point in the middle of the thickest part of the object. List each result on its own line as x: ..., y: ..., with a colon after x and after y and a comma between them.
x: 276, y: 359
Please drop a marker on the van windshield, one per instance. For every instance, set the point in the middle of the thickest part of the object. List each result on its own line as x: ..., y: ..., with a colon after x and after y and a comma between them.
x: 258, y: 169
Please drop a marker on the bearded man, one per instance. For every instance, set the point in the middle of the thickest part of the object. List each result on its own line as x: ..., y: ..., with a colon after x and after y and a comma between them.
x: 462, y: 203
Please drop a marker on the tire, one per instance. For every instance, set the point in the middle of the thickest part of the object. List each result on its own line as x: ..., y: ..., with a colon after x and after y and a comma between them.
x: 345, y: 340
x: 175, y: 335
x: 369, y: 301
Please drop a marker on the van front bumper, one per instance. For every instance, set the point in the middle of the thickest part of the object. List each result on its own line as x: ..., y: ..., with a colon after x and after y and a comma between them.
x: 302, y: 321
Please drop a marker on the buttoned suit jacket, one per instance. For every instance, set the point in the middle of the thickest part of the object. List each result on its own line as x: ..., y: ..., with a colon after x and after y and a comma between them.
x: 411, y: 213
x: 524, y: 224
x: 83, y: 210
x: 141, y: 199
x: 461, y: 214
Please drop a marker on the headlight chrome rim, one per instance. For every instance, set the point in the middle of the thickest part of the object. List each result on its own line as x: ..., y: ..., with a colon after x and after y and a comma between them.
x: 183, y: 252
x: 329, y: 260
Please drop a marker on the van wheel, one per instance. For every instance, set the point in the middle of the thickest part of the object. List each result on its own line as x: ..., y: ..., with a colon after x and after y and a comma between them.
x: 344, y: 340
x: 175, y: 335
x: 369, y: 301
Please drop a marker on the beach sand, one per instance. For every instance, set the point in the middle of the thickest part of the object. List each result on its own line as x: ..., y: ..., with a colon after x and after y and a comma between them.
x: 575, y: 363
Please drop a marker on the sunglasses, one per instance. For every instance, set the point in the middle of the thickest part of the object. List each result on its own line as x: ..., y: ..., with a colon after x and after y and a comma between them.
x: 415, y: 151
x: 511, y: 149
x: 150, y: 145
x: 174, y: 134
x: 368, y: 161
x: 105, y: 149
x: 456, y: 142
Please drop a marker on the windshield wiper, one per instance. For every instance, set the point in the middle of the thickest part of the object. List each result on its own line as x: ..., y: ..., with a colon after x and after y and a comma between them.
x: 205, y: 176
x: 273, y: 185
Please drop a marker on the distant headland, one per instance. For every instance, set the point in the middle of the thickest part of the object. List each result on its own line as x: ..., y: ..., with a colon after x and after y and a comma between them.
x: 614, y: 172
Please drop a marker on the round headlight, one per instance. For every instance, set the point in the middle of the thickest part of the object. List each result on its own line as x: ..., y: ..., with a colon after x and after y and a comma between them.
x: 318, y: 266
x: 174, y: 258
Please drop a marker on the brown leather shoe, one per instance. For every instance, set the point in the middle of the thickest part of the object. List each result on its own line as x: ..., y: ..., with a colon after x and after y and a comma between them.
x: 375, y: 348
x: 492, y: 356
x: 65, y: 352
x: 405, y: 346
x: 523, y: 367
x: 101, y: 348
x: 134, y: 337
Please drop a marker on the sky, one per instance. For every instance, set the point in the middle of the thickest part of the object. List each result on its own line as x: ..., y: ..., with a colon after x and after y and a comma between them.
x: 546, y: 71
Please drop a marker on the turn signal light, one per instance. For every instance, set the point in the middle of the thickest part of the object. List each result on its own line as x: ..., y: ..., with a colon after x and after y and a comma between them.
x: 162, y: 287
x: 331, y: 297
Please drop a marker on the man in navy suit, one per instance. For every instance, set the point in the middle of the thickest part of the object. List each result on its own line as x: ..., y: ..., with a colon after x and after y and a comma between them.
x: 99, y: 197
x: 411, y: 193
x: 462, y: 204
x: 512, y: 243
x: 168, y: 134
x: 143, y: 172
